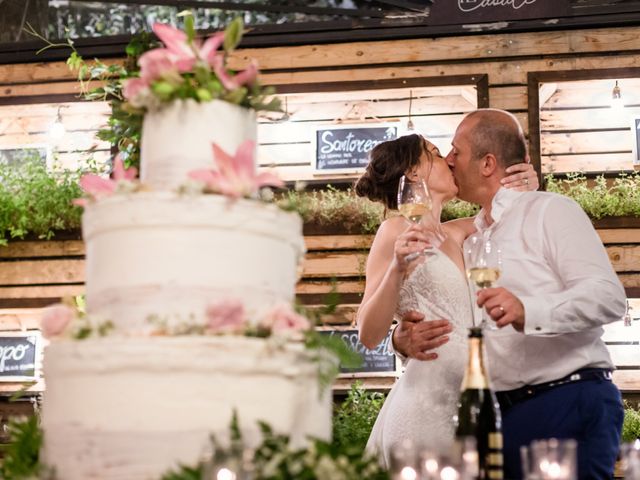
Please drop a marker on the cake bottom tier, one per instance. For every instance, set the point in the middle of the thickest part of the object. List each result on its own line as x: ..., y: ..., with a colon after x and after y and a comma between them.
x: 135, y: 408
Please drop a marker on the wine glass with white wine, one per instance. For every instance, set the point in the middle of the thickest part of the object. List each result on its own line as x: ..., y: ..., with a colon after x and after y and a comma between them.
x: 414, y: 204
x: 482, y: 257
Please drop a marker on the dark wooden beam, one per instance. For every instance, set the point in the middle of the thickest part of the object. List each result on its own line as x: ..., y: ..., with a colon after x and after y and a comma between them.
x: 251, y: 7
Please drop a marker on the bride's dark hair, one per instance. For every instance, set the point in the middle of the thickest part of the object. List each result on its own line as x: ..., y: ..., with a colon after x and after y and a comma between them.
x: 388, y: 161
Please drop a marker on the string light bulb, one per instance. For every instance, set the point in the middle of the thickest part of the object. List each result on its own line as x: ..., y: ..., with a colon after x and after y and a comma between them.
x: 616, y: 97
x: 57, y: 130
x: 410, y: 125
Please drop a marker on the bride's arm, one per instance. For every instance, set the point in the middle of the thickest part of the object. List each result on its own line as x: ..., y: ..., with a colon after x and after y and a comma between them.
x: 385, y: 271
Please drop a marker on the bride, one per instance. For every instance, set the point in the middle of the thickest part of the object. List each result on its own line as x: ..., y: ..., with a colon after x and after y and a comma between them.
x: 421, y: 405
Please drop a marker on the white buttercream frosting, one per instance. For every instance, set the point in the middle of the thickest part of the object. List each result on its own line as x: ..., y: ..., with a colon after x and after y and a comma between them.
x: 177, y: 138
x: 167, y: 256
x: 134, y: 408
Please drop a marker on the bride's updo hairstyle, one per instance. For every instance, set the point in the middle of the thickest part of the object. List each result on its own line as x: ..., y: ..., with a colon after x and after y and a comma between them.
x: 388, y: 161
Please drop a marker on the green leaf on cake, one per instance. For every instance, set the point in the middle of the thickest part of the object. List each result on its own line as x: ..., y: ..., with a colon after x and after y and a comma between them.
x: 233, y: 35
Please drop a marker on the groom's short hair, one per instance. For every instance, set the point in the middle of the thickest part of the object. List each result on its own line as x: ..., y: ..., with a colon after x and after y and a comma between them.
x: 497, y: 132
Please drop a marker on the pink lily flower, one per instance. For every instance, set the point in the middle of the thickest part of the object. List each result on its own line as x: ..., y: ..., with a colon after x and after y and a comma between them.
x: 184, y: 54
x: 55, y: 319
x: 132, y: 87
x: 229, y: 82
x: 226, y: 316
x: 97, y: 187
x: 236, y: 175
x: 282, y: 319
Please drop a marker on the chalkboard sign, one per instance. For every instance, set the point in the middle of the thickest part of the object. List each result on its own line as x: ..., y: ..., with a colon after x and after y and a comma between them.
x: 454, y: 12
x: 19, y: 353
x: 347, y: 147
x: 381, y: 359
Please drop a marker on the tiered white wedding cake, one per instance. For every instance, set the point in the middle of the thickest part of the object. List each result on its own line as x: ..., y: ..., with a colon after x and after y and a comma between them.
x: 135, y: 403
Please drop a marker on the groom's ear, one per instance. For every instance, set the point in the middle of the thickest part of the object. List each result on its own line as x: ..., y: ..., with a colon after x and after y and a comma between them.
x: 488, y: 165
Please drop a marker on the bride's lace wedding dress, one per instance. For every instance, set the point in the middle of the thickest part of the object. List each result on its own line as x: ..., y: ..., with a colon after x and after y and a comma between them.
x: 421, y: 405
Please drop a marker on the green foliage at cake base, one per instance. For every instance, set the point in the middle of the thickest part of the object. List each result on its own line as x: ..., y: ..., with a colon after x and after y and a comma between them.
x: 21, y: 457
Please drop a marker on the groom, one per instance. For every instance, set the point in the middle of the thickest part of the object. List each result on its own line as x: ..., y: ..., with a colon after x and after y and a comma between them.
x: 548, y: 364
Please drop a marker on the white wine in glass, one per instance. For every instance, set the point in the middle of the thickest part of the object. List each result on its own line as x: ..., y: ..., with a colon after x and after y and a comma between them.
x: 414, y: 203
x: 482, y: 258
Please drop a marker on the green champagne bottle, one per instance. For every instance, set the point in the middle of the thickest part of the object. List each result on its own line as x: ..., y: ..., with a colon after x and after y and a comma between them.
x: 479, y: 412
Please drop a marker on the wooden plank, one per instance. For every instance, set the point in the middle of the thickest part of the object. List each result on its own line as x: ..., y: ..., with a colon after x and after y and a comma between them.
x: 316, y: 287
x: 508, y: 98
x: 619, y: 235
x: 295, y: 131
x: 618, y: 332
x: 592, y: 93
x: 586, y: 142
x: 585, y: 118
x: 629, y: 280
x: 59, y: 88
x: 20, y: 319
x: 41, y: 272
x: 443, y: 48
x: 305, y: 173
x: 379, y: 383
x: 10, y: 294
x: 624, y: 258
x: 50, y: 248
x: 30, y: 124
x: 71, y: 141
x: 585, y: 162
x: 322, y: 265
x: 40, y: 72
x: 338, y: 242
x: 50, y: 110
x: 345, y: 315
x: 627, y: 380
x: 500, y: 72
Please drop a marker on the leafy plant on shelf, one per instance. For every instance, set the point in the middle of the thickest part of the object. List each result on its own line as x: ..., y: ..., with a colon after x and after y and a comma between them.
x: 354, y: 418
x: 631, y: 424
x: 37, y: 201
x: 598, y: 198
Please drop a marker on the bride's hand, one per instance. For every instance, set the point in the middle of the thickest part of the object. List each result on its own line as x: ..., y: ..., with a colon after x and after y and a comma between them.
x: 412, y: 240
x: 521, y: 177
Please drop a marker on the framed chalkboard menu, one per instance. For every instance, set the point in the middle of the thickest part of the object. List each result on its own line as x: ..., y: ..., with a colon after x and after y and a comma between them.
x: 381, y: 359
x: 19, y: 354
x: 346, y: 147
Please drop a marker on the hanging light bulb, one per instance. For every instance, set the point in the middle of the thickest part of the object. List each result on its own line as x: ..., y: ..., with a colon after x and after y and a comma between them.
x: 410, y: 125
x: 57, y: 130
x: 616, y: 98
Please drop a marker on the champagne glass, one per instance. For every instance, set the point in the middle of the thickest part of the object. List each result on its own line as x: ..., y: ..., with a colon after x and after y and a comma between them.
x: 483, y: 263
x: 414, y: 204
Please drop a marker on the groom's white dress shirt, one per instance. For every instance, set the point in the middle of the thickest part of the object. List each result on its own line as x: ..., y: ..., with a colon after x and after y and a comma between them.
x: 555, y: 263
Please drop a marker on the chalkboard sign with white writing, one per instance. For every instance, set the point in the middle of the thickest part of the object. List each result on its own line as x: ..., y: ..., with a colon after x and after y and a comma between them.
x: 18, y: 356
x: 453, y: 12
x: 380, y: 359
x: 347, y: 147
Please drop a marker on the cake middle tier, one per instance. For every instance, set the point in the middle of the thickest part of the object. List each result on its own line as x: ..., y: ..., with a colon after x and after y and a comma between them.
x: 164, y: 257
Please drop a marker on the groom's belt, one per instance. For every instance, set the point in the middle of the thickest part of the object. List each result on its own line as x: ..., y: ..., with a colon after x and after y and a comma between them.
x: 509, y: 398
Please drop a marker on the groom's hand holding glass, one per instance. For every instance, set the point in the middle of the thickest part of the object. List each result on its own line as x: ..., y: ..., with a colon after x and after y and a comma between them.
x: 503, y: 307
x: 415, y: 337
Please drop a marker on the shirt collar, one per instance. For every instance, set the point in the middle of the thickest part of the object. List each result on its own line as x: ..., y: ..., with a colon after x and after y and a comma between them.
x: 502, y: 201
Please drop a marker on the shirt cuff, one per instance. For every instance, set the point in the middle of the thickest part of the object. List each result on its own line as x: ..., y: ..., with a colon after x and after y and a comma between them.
x: 537, y: 316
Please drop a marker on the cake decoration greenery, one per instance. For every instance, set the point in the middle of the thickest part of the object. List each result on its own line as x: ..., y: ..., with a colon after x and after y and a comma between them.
x: 631, y: 423
x: 187, y: 68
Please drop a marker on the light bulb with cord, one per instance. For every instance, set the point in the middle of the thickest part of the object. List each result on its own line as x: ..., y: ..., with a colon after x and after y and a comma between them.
x: 616, y: 98
x: 57, y: 130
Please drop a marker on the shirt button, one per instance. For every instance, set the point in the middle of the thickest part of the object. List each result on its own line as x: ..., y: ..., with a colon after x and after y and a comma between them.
x: 538, y: 328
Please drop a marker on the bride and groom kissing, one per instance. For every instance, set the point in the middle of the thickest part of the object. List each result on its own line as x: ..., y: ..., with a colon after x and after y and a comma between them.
x: 548, y: 364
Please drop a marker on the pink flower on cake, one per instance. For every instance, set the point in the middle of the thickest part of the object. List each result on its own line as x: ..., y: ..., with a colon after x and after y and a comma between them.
x: 235, y: 176
x: 226, y: 316
x: 282, y: 319
x: 55, y: 319
x: 97, y: 187
x: 245, y: 77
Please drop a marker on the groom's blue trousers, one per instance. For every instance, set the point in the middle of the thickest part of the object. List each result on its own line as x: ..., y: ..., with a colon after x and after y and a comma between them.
x: 590, y: 412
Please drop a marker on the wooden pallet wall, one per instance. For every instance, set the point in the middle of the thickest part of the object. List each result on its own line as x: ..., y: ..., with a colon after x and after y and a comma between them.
x: 33, y: 274
x: 506, y: 59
